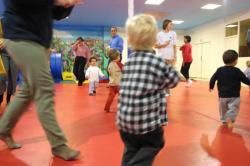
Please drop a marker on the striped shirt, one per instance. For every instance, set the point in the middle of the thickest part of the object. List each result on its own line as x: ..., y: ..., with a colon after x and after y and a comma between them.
x: 142, y: 101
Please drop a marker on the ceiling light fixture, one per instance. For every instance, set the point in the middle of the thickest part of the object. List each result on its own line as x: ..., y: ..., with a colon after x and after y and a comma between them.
x: 154, y: 2
x: 231, y: 26
x: 211, y: 6
x: 177, y: 21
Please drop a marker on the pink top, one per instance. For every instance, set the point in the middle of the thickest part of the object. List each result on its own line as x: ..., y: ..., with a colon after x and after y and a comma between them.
x: 81, y: 50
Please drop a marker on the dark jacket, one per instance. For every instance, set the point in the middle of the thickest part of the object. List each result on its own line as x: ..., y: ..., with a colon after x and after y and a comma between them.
x: 31, y: 20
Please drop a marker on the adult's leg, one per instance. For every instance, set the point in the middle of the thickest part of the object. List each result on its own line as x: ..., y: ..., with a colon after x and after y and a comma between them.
x: 32, y: 60
x: 76, y: 66
x: 168, y: 62
x: 3, y: 78
x: 12, y: 79
x: 12, y: 114
x: 81, y: 73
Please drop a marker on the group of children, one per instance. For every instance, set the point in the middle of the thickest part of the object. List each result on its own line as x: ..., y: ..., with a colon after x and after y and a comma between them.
x: 114, y: 70
x: 141, y: 83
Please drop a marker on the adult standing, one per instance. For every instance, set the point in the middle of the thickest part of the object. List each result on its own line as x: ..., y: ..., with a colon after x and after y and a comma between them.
x: 8, y: 81
x: 166, y: 44
x: 82, y: 53
x: 27, y: 26
x: 116, y: 41
x: 187, y: 59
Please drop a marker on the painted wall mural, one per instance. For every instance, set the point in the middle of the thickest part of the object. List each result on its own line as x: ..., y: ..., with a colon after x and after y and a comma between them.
x: 97, y: 38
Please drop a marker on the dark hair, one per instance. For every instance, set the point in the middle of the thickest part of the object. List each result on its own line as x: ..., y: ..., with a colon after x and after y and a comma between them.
x: 230, y: 56
x: 165, y: 23
x: 188, y: 38
x: 114, y: 27
x: 113, y: 54
x: 90, y: 59
x: 80, y: 38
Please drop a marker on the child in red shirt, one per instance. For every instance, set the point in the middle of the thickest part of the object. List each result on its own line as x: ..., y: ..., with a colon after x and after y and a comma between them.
x: 115, y: 72
x: 187, y: 59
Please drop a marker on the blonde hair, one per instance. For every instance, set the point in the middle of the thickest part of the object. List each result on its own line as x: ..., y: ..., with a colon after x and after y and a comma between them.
x: 248, y: 63
x: 141, y: 31
x: 113, y: 54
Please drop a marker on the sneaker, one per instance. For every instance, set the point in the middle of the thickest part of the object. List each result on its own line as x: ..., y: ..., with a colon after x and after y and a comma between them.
x: 65, y: 153
x: 189, y: 83
x: 91, y: 94
x: 8, y: 140
x: 94, y: 92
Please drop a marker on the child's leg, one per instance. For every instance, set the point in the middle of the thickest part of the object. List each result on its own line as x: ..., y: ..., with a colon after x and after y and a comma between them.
x: 233, y: 108
x: 91, y: 87
x: 150, y: 144
x: 131, y: 147
x: 96, y: 85
x: 223, y: 107
x: 113, y: 90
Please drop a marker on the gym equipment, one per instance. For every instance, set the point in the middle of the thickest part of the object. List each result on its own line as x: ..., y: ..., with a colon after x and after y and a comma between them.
x: 56, y: 66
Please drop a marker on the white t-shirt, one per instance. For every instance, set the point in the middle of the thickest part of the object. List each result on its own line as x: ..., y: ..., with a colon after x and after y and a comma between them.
x: 93, y: 73
x: 247, y: 72
x: 167, y: 53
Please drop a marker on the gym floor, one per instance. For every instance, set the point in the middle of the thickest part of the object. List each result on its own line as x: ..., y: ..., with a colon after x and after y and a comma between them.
x: 194, y: 135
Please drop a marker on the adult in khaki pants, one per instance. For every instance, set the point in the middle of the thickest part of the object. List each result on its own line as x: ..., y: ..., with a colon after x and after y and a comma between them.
x: 27, y: 40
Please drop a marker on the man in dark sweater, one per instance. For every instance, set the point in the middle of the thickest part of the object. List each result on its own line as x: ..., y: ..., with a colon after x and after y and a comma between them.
x: 27, y: 27
x: 229, y: 80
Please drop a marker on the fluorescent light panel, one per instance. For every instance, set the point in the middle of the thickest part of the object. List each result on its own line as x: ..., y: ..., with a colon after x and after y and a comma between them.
x: 154, y: 2
x: 177, y: 21
x: 231, y: 26
x: 211, y: 6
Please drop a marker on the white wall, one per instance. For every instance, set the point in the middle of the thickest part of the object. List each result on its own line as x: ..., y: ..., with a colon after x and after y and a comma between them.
x: 214, y: 33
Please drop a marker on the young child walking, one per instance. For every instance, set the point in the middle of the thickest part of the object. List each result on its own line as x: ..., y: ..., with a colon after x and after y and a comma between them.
x: 247, y: 72
x: 93, y: 73
x: 187, y: 59
x: 115, y: 72
x: 229, y: 80
x: 142, y: 103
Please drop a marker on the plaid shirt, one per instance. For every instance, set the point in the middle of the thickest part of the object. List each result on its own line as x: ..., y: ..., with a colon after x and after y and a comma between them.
x: 142, y: 101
